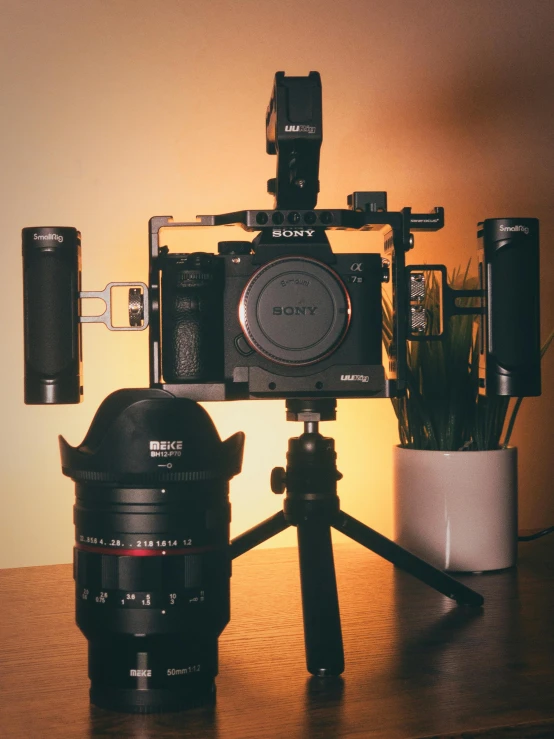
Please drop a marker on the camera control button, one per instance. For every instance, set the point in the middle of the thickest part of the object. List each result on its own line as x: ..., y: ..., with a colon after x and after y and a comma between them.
x: 242, y: 346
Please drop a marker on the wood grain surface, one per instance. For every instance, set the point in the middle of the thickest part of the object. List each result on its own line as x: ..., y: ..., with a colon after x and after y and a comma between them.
x: 416, y: 664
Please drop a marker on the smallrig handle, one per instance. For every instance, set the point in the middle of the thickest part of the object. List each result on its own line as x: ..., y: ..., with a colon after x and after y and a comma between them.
x: 51, y: 283
x: 510, y: 346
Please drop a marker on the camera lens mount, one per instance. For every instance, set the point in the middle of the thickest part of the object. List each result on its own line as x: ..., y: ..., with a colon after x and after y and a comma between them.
x: 295, y: 311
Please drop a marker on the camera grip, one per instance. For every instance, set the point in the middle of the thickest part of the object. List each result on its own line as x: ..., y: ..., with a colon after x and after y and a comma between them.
x: 510, y: 351
x: 192, y: 320
x: 51, y: 277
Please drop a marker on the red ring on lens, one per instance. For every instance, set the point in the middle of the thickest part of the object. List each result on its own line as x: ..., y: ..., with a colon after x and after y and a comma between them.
x: 119, y: 551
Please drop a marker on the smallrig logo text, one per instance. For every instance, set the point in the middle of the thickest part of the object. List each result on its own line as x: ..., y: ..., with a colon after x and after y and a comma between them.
x: 48, y: 237
x: 516, y: 229
x: 287, y: 232
x: 166, y: 448
x: 300, y: 129
x: 354, y: 378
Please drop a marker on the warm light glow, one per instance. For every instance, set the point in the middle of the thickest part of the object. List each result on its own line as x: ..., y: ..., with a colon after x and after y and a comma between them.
x: 161, y: 111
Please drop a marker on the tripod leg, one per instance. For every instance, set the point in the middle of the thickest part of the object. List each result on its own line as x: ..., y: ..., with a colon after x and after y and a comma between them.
x: 320, y: 605
x: 406, y: 561
x: 256, y: 535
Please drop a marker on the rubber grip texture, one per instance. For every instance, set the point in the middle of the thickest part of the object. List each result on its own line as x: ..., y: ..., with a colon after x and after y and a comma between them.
x: 51, y: 277
x: 192, y: 319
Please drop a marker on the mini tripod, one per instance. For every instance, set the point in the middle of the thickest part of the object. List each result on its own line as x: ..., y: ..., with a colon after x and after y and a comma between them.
x: 312, y: 505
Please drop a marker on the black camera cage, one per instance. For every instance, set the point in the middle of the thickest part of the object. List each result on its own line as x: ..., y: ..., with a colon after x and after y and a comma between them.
x: 508, y: 253
x: 294, y: 135
x: 367, y: 213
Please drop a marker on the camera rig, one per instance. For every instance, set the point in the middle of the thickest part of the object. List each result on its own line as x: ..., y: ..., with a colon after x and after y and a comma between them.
x: 347, y: 360
x: 280, y: 316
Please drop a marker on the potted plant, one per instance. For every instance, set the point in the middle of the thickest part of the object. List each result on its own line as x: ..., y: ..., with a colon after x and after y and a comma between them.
x: 455, y: 475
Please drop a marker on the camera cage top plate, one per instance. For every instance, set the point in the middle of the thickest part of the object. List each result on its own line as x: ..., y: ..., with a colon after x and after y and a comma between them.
x: 294, y: 220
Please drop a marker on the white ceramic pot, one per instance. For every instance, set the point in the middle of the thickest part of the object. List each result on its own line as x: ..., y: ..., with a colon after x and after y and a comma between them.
x: 457, y: 510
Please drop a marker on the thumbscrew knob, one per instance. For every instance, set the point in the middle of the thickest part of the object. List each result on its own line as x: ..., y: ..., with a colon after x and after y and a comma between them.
x: 278, y: 480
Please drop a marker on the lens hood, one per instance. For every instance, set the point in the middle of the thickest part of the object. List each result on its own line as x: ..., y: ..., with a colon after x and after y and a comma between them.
x: 149, y: 436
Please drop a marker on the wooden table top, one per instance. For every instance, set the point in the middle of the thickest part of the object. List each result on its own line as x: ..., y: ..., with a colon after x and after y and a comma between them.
x: 416, y: 664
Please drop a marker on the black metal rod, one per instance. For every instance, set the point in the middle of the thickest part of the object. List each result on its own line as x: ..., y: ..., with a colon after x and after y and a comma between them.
x: 406, y: 561
x: 320, y: 604
x: 258, y: 534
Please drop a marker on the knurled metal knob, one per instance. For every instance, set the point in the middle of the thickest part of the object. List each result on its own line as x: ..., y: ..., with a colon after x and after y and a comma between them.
x: 136, y: 307
x: 418, y: 287
x: 418, y: 319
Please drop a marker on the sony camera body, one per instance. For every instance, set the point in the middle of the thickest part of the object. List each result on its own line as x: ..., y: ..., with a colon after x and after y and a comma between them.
x: 283, y: 317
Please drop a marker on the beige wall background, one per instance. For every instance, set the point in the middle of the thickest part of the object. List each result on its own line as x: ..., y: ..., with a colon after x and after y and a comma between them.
x: 117, y: 110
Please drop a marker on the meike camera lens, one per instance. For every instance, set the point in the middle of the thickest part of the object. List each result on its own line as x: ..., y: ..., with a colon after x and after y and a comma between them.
x: 151, y: 558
